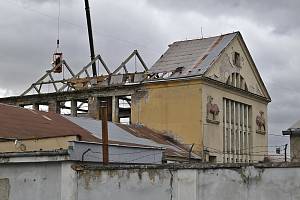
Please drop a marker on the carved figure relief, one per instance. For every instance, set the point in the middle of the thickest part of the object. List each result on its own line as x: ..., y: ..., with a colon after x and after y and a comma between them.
x: 212, y: 110
x: 261, y: 122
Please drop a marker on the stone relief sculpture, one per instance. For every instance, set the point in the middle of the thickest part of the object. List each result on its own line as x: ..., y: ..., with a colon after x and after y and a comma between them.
x: 260, y: 122
x: 212, y: 110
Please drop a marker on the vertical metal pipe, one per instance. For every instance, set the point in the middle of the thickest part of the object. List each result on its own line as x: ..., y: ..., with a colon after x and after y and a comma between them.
x: 105, y: 152
x: 90, y: 33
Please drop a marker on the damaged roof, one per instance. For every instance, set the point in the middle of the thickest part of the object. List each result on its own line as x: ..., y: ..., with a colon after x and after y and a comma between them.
x: 20, y: 123
x: 115, y: 132
x: 191, y: 57
x: 136, y: 134
x: 174, y: 148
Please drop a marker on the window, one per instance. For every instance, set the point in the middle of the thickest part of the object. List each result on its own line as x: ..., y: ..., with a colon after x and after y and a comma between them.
x: 236, y: 59
x: 212, y: 159
x: 236, y: 131
x: 236, y: 80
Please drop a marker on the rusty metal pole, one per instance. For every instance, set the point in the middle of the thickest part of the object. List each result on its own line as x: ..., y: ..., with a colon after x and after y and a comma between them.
x: 90, y: 32
x: 105, y: 152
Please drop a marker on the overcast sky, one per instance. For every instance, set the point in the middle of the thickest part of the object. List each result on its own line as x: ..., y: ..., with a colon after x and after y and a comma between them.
x: 270, y: 28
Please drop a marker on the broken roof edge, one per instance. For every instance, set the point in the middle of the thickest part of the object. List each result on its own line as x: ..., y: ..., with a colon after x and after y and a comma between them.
x: 175, y: 148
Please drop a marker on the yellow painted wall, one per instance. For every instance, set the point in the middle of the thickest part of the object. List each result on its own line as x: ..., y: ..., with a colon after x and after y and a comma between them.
x: 47, y: 144
x: 173, y: 107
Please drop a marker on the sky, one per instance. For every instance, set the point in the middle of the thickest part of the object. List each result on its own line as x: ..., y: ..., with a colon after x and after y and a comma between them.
x: 270, y: 29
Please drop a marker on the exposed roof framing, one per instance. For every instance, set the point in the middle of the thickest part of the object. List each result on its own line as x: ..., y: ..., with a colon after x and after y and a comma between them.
x: 83, y: 79
x: 38, y: 85
x: 123, y: 64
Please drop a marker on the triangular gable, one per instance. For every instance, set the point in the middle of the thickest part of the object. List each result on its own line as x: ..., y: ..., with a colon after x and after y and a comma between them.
x: 223, y: 67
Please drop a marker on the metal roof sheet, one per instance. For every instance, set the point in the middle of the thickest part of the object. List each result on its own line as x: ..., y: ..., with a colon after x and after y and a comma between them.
x: 115, y: 133
x: 139, y: 135
x: 21, y: 123
x: 195, y: 56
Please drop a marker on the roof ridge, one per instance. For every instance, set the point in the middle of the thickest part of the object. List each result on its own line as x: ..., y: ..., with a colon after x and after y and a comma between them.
x: 204, y: 38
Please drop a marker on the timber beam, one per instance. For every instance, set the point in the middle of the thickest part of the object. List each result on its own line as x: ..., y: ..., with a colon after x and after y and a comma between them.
x: 44, y: 99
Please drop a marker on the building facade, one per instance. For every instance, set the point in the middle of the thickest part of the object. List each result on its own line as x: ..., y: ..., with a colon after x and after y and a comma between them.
x: 206, y: 93
x: 216, y: 101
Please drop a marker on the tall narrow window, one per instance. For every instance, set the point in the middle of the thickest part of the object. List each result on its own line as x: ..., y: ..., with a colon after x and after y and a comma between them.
x: 237, y: 80
x: 236, y: 131
x: 237, y: 59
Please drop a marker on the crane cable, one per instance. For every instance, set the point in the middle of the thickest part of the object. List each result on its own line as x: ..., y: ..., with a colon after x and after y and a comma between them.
x: 58, y: 27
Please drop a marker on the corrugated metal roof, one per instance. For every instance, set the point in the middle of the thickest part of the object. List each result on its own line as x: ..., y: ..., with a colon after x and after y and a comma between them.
x: 194, y: 57
x: 21, y: 123
x: 139, y: 135
x: 115, y: 133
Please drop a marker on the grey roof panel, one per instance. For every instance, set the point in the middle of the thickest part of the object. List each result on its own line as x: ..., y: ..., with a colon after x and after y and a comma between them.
x: 196, y: 56
x: 214, y: 53
x: 115, y: 133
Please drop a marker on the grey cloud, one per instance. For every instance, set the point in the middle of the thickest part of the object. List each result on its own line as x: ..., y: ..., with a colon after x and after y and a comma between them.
x: 29, y: 39
x: 282, y: 15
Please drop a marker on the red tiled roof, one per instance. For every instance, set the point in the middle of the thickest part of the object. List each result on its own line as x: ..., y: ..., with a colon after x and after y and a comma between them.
x: 21, y: 123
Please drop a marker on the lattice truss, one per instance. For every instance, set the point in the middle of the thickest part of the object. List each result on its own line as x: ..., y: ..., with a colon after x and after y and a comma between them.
x: 61, y: 78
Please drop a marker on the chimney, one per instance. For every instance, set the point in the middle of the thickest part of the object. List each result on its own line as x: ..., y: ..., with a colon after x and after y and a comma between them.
x: 105, y: 156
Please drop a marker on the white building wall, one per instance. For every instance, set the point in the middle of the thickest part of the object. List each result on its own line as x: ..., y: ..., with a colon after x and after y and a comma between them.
x: 193, y: 184
x: 60, y: 181
x: 28, y: 181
